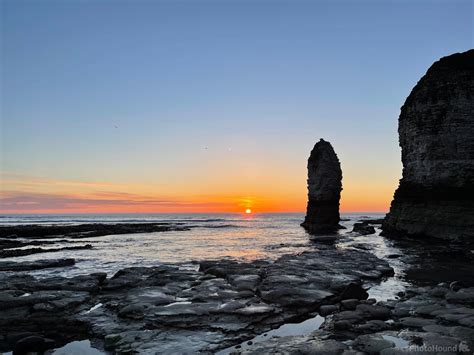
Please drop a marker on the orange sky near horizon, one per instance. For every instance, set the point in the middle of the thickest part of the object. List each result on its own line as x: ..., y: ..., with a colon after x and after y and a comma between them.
x: 176, y: 107
x: 29, y: 195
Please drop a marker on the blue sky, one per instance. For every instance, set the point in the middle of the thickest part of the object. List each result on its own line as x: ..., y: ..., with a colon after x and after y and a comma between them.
x: 170, y: 94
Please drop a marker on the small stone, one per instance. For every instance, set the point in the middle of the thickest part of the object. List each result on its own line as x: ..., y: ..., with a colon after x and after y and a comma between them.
x: 372, y: 344
x: 342, y: 325
x: 327, y: 310
x: 350, y: 304
x: 373, y: 312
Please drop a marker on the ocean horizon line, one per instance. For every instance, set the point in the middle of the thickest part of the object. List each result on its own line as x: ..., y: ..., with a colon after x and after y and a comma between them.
x: 174, y: 213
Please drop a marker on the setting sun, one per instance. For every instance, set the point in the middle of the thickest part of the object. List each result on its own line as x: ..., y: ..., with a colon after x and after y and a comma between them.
x: 248, y: 211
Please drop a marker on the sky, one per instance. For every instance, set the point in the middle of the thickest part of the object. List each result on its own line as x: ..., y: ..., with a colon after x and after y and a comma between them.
x: 208, y: 105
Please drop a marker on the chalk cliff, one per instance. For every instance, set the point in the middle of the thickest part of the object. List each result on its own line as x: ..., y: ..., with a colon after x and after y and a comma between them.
x: 324, y: 189
x: 435, y: 197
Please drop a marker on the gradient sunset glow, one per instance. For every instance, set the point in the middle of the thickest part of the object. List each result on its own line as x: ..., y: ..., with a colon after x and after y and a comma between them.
x: 210, y: 106
x: 24, y: 194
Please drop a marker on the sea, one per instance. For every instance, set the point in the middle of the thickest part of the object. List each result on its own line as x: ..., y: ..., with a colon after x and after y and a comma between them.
x: 243, y: 237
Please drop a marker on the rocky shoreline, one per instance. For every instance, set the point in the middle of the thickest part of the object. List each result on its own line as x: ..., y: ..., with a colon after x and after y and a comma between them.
x: 180, y: 309
x: 222, y: 305
x: 226, y: 306
x: 22, y: 240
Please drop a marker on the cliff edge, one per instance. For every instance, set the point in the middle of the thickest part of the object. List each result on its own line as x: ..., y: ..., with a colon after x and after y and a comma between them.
x: 435, y: 197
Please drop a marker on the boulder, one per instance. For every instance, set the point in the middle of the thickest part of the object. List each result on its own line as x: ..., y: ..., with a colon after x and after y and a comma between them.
x: 363, y: 228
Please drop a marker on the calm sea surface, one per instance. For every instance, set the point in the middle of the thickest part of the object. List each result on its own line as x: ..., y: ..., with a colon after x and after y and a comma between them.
x: 212, y: 236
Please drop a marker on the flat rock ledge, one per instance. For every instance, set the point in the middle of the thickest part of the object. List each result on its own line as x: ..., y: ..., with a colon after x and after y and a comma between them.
x: 181, y: 309
x: 22, y: 240
x: 425, y: 320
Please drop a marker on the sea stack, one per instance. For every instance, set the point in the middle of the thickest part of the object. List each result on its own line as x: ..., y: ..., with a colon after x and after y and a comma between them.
x: 324, y: 189
x: 436, y: 135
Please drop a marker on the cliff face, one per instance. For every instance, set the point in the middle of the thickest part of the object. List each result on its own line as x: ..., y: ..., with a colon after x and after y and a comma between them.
x: 436, y: 131
x: 324, y: 189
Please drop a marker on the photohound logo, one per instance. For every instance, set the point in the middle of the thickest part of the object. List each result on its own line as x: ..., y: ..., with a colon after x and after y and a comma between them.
x: 462, y: 347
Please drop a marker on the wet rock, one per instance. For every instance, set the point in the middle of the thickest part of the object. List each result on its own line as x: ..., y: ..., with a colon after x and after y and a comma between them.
x: 111, y: 341
x: 166, y: 309
x: 373, y: 311
x: 290, y: 297
x: 296, y: 345
x: 342, y: 325
x: 434, y: 198
x: 325, y: 239
x: 324, y: 189
x: 428, y: 310
x: 245, y: 282
x: 35, y: 265
x: 89, y: 283
x: 327, y: 310
x: 439, y: 292
x: 394, y: 256
x: 372, y: 344
x: 415, y: 322
x: 8, y: 253
x: 85, y: 230
x: 152, y: 295
x: 32, y: 344
x: 373, y: 326
x: 322, y: 347
x: 363, y: 228
x: 55, y: 299
x: 467, y: 321
x: 456, y: 286
x: 354, y: 291
x: 463, y: 296
x: 350, y: 304
x: 352, y: 316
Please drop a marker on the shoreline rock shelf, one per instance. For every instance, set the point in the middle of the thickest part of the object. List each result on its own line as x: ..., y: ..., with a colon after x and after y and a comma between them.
x: 22, y: 240
x: 167, y: 308
x: 86, y: 230
x: 324, y: 190
x: 436, y: 129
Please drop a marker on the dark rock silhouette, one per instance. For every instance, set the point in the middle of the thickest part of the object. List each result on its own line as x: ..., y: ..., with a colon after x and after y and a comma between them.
x: 324, y: 189
x: 436, y: 133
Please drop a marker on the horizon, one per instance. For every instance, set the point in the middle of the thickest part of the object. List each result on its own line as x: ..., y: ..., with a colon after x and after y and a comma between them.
x: 210, y: 107
x: 183, y: 213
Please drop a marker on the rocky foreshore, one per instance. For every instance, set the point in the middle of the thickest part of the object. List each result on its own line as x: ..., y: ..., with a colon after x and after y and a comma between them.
x: 86, y: 230
x: 228, y: 306
x: 424, y: 320
x: 22, y: 240
x: 171, y: 308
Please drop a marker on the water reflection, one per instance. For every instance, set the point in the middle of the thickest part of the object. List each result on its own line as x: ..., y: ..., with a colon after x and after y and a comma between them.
x: 82, y: 347
x: 237, y: 236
